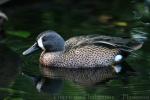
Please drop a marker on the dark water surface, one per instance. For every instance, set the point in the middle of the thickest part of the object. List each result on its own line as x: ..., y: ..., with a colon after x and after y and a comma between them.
x: 72, y: 18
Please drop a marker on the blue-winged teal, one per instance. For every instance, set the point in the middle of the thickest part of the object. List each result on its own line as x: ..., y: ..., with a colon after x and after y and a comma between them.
x: 83, y: 59
x: 3, y: 1
x: 3, y: 18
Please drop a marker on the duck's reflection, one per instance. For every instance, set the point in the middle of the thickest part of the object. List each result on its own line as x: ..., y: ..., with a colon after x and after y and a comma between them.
x: 86, y: 77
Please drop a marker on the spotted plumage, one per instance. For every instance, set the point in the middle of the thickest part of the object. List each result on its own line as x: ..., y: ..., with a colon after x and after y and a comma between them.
x: 83, y: 59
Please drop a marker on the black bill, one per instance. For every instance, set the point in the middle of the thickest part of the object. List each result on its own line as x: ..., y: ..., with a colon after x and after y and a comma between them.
x: 33, y: 48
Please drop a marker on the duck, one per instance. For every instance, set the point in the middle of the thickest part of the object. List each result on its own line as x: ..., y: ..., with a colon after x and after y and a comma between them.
x: 86, y: 59
x: 3, y: 1
x: 3, y: 19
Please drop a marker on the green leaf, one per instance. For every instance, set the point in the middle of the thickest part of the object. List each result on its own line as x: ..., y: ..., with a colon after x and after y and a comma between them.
x: 23, y: 34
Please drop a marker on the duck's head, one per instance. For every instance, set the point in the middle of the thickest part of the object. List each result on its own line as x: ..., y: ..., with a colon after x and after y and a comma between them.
x: 48, y: 41
x: 3, y: 17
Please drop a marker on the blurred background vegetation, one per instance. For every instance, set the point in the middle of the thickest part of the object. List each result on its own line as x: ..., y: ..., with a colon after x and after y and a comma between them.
x: 26, y: 19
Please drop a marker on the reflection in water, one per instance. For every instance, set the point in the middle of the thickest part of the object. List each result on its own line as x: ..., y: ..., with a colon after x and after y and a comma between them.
x: 82, y: 76
x: 43, y: 84
x: 85, y: 77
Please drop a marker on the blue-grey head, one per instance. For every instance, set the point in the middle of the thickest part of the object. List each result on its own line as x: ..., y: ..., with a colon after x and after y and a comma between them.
x: 48, y: 41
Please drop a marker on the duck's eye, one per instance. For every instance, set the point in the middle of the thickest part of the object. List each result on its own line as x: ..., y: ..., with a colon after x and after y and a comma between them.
x: 43, y: 39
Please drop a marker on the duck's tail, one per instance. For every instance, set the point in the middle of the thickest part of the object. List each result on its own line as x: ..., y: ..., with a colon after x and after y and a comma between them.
x: 139, y: 38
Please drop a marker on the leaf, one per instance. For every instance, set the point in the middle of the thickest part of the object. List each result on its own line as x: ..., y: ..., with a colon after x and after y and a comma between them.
x: 23, y: 34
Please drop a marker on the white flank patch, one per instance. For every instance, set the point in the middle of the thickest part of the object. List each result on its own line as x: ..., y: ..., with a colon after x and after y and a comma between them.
x: 118, y: 58
x: 39, y: 86
x: 40, y: 43
x: 117, y: 68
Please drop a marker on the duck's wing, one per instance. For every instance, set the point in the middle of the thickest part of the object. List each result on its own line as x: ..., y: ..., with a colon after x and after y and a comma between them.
x: 85, y: 40
x: 123, y: 43
x: 74, y: 41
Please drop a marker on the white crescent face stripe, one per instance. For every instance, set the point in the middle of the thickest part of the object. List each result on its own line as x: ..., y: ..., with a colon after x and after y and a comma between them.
x: 40, y: 43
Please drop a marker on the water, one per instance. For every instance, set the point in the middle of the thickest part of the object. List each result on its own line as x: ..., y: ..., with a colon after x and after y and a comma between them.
x: 72, y: 19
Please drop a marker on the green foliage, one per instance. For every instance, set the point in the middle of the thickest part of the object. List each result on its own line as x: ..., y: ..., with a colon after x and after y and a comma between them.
x: 22, y: 34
